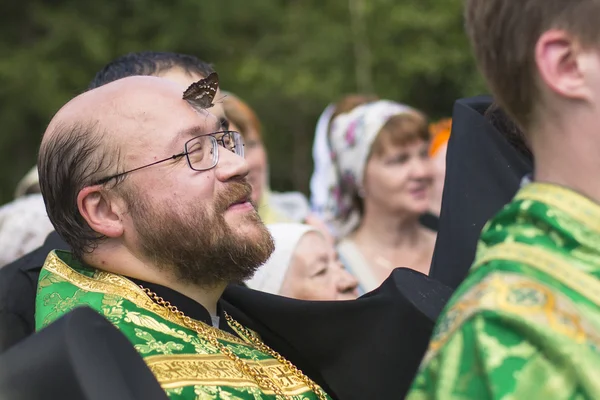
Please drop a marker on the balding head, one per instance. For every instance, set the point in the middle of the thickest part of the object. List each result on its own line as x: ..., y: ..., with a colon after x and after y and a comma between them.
x: 102, y: 132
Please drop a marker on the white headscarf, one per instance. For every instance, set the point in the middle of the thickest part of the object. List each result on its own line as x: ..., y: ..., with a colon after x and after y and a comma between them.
x: 24, y: 226
x: 322, y: 161
x: 269, y: 277
x: 351, y: 136
x: 29, y: 181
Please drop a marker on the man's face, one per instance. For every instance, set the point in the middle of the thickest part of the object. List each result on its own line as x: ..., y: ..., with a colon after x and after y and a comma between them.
x: 199, y: 224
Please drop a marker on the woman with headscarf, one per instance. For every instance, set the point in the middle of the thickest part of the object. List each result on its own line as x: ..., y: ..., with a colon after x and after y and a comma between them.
x: 319, y: 181
x: 379, y: 187
x: 303, y: 266
x: 272, y: 207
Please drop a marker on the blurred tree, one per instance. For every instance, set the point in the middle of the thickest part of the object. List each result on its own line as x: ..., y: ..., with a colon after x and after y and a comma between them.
x: 287, y: 58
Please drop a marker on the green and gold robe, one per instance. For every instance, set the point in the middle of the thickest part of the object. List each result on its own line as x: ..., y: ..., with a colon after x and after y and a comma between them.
x: 525, y: 324
x: 186, y: 364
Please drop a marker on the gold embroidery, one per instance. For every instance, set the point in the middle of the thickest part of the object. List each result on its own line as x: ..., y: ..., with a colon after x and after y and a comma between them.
x: 60, y: 305
x: 553, y: 264
x: 107, y: 283
x: 155, y: 345
x: 48, y: 280
x: 219, y: 370
x: 524, y: 298
x: 145, y: 321
x: 571, y: 203
x: 112, y: 307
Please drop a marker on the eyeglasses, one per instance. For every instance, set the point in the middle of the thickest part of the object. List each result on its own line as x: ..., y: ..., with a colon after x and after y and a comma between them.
x: 202, y: 152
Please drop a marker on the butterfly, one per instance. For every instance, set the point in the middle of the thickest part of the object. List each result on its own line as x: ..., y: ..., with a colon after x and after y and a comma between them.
x: 202, y: 93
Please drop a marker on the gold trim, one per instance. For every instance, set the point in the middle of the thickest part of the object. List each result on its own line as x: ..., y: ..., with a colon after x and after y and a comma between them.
x: 545, y: 261
x: 174, y: 371
x: 108, y: 283
x: 500, y: 291
x: 577, y: 206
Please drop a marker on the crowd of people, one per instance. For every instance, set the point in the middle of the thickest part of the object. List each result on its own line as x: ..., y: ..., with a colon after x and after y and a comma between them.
x: 430, y: 261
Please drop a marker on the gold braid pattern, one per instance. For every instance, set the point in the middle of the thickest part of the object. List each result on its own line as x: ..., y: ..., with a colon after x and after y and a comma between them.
x: 260, y: 377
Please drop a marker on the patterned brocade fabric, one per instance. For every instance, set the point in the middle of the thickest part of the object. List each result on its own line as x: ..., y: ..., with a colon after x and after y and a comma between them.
x: 525, y: 324
x: 185, y: 364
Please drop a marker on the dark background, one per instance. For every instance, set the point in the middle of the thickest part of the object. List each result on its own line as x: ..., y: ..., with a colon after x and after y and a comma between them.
x: 287, y: 58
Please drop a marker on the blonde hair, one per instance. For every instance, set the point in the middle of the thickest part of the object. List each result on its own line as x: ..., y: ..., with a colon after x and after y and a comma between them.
x: 240, y: 113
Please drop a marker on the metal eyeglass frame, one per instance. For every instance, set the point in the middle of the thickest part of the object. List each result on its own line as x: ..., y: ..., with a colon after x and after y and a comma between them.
x: 233, y: 134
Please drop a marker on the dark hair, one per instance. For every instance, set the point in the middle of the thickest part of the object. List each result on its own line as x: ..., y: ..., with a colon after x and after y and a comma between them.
x: 149, y: 63
x: 73, y: 157
x: 508, y: 128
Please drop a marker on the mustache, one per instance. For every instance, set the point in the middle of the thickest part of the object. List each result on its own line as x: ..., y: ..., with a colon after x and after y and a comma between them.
x: 234, y: 193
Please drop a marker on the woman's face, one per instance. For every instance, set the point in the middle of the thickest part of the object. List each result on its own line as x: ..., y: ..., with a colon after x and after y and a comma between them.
x: 400, y: 179
x: 438, y: 161
x: 256, y: 156
x: 315, y: 272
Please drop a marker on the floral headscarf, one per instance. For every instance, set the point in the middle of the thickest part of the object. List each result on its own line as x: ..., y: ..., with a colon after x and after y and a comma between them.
x: 351, y: 136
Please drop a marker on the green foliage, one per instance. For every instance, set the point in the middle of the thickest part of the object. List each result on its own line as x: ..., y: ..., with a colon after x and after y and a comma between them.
x: 287, y: 58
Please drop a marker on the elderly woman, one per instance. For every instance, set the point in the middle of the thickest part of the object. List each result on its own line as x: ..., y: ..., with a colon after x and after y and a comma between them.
x: 380, y: 185
x: 272, y: 207
x: 303, y: 266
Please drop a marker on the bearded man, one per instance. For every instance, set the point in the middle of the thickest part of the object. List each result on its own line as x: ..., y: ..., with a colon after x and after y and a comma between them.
x: 150, y: 194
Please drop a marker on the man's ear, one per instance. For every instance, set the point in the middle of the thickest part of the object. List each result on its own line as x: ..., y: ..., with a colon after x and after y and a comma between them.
x: 562, y: 64
x: 101, y: 212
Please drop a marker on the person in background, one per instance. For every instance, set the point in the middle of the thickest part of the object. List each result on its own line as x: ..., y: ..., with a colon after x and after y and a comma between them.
x: 440, y: 135
x: 272, y: 207
x: 379, y: 187
x: 304, y: 266
x: 319, y: 181
x: 24, y: 223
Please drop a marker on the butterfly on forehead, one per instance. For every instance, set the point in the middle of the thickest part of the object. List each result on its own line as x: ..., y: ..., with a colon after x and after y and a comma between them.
x: 202, y: 93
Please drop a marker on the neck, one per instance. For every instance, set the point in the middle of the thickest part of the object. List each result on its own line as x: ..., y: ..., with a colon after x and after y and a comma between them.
x: 567, y: 153
x: 118, y: 260
x: 389, y: 231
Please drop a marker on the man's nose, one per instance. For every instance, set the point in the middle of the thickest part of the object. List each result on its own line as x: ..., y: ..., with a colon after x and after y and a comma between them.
x: 230, y: 166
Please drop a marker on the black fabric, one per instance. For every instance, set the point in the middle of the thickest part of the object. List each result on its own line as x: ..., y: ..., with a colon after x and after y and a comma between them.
x: 430, y: 221
x: 483, y: 173
x: 18, y: 284
x: 188, y: 306
x: 81, y: 356
x: 366, y: 348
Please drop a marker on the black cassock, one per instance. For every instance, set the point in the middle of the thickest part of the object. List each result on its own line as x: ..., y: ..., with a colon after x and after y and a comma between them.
x: 483, y: 173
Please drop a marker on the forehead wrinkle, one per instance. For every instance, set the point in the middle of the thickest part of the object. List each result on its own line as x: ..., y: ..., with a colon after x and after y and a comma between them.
x: 196, y: 130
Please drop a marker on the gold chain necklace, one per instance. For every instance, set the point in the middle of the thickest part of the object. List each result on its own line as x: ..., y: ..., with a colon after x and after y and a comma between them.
x: 257, y: 373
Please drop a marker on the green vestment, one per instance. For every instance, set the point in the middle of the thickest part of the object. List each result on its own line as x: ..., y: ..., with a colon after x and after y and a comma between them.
x: 186, y: 364
x: 525, y: 324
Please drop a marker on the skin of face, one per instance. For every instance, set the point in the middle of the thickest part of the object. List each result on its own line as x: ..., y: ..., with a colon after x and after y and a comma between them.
x: 256, y: 156
x: 254, y: 149
x: 315, y: 272
x: 146, y: 118
x: 400, y: 179
x: 439, y: 174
